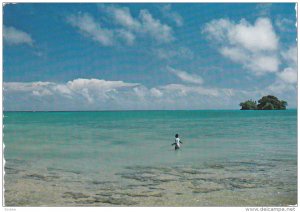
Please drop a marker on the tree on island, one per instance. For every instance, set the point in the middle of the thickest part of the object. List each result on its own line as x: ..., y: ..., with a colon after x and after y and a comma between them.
x: 271, y: 103
x: 248, y: 105
x: 265, y: 103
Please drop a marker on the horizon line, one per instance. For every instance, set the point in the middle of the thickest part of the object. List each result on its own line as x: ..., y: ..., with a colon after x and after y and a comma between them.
x: 125, y: 110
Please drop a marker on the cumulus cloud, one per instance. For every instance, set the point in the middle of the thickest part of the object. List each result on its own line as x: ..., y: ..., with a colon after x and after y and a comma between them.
x: 172, y: 15
x: 13, y: 36
x: 90, y: 28
x: 186, y: 77
x: 257, y: 37
x: 80, y: 83
x: 252, y: 45
x: 256, y: 47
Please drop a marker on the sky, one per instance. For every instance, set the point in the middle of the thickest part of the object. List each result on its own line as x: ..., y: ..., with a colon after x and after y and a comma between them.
x: 159, y: 56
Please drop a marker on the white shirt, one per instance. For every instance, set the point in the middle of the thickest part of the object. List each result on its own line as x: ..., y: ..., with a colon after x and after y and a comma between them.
x: 177, y: 141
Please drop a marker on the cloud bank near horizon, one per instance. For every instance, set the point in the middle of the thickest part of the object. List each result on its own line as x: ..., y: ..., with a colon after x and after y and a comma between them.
x: 99, y: 94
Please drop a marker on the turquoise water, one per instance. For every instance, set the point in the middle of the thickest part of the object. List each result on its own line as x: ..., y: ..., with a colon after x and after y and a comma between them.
x: 125, y: 158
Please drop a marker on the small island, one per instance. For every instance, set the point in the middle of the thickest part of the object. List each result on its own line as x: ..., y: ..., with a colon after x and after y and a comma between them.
x: 265, y: 103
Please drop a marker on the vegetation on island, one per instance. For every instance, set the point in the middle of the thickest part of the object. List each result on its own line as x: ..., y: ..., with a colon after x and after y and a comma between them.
x: 265, y: 103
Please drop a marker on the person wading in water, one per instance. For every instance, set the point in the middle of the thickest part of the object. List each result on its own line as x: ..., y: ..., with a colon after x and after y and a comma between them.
x: 177, y: 142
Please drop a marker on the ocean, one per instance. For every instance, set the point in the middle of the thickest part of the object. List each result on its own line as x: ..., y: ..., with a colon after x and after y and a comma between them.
x: 125, y: 158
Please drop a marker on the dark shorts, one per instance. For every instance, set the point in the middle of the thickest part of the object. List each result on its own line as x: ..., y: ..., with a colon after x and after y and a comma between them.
x: 176, y: 147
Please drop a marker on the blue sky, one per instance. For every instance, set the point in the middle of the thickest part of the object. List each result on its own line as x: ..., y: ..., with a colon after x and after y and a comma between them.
x: 147, y: 56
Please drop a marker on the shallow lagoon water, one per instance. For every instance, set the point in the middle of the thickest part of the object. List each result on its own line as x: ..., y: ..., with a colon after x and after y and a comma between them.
x: 125, y: 158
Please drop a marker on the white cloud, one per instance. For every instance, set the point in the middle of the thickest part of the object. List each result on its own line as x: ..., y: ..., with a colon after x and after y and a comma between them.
x: 281, y: 87
x: 265, y: 63
x: 288, y: 75
x: 89, y: 89
x: 127, y: 36
x: 63, y: 89
x: 13, y: 36
x: 140, y: 92
x: 145, y: 24
x: 122, y: 16
x: 93, y: 89
x: 234, y: 53
x: 217, y: 30
x: 97, y: 84
x: 42, y: 92
x: 257, y: 37
x: 186, y: 77
x: 90, y: 28
x: 172, y: 15
x: 253, y: 46
x: 290, y: 55
x: 156, y: 92
x: 25, y: 86
x: 160, y: 32
x: 96, y: 94
x: 128, y: 29
x: 286, y: 81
